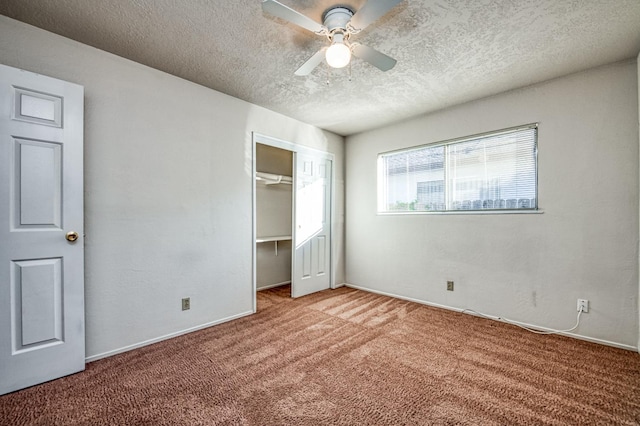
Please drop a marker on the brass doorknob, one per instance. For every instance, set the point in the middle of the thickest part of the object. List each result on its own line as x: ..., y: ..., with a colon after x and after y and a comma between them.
x: 72, y: 236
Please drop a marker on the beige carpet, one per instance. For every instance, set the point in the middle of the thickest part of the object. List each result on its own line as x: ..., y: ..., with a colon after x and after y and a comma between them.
x: 345, y: 357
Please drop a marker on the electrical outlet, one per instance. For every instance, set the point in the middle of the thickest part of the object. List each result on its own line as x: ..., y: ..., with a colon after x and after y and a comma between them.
x: 583, y: 304
x: 186, y: 303
x: 449, y: 285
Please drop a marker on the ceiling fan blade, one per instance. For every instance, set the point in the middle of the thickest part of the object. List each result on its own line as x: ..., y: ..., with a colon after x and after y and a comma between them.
x: 371, y: 11
x: 375, y: 58
x: 312, y: 63
x: 281, y: 11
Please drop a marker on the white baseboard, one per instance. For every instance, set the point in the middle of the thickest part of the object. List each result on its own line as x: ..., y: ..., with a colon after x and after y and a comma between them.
x: 537, y: 327
x: 266, y: 287
x: 165, y: 337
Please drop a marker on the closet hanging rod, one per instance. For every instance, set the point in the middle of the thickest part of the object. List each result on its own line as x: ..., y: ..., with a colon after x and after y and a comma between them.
x: 272, y: 179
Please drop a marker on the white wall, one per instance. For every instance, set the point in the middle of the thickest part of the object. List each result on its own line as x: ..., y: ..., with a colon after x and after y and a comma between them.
x: 527, y: 267
x: 638, y: 68
x: 168, y: 190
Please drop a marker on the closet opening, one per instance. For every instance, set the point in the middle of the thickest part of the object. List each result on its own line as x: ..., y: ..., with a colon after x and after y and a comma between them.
x: 292, y: 218
x: 273, y: 215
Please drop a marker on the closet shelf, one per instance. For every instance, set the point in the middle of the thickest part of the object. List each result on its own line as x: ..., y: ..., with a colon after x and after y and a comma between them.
x: 271, y: 179
x: 274, y: 238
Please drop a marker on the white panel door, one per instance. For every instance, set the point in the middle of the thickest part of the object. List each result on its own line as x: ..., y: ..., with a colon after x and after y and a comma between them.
x: 41, y: 229
x: 311, y: 224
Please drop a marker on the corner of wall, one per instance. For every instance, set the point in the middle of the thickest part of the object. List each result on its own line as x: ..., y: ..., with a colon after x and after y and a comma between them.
x: 638, y: 300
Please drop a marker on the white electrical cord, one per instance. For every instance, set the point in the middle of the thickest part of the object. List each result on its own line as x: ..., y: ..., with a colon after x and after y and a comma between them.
x: 508, y: 321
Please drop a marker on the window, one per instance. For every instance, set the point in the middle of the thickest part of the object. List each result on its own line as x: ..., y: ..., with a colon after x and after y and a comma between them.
x: 493, y: 171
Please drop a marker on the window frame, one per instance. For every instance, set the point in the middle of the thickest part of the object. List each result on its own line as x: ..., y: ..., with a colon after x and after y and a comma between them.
x: 380, y: 174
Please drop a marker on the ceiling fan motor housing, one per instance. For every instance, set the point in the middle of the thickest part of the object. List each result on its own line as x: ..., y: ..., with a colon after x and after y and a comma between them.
x: 337, y: 18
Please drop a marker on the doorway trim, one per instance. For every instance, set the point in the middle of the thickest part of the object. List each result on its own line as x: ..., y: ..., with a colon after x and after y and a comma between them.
x: 295, y: 148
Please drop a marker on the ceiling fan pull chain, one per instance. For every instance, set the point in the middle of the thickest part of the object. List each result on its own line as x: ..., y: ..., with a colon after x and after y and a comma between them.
x: 328, y: 75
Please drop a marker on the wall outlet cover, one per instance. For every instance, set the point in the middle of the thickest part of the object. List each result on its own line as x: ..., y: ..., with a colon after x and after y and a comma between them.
x: 584, y: 304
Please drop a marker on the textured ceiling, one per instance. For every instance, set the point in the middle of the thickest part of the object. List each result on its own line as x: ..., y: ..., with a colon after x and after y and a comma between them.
x: 448, y: 51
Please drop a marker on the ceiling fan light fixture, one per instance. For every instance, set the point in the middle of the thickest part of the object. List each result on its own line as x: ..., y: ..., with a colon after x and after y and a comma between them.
x: 338, y: 54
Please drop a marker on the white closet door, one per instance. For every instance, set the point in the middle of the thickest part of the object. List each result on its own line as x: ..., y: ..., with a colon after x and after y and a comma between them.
x: 312, y: 224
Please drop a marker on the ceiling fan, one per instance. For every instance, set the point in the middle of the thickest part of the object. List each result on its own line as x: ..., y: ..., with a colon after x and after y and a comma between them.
x: 339, y: 24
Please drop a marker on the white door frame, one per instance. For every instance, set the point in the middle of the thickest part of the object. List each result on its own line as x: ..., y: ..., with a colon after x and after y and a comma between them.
x: 295, y: 148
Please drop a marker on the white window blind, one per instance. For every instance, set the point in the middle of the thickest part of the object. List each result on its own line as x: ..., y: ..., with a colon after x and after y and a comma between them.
x: 494, y: 171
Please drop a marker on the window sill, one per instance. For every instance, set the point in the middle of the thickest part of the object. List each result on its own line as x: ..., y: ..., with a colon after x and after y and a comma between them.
x: 463, y: 212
